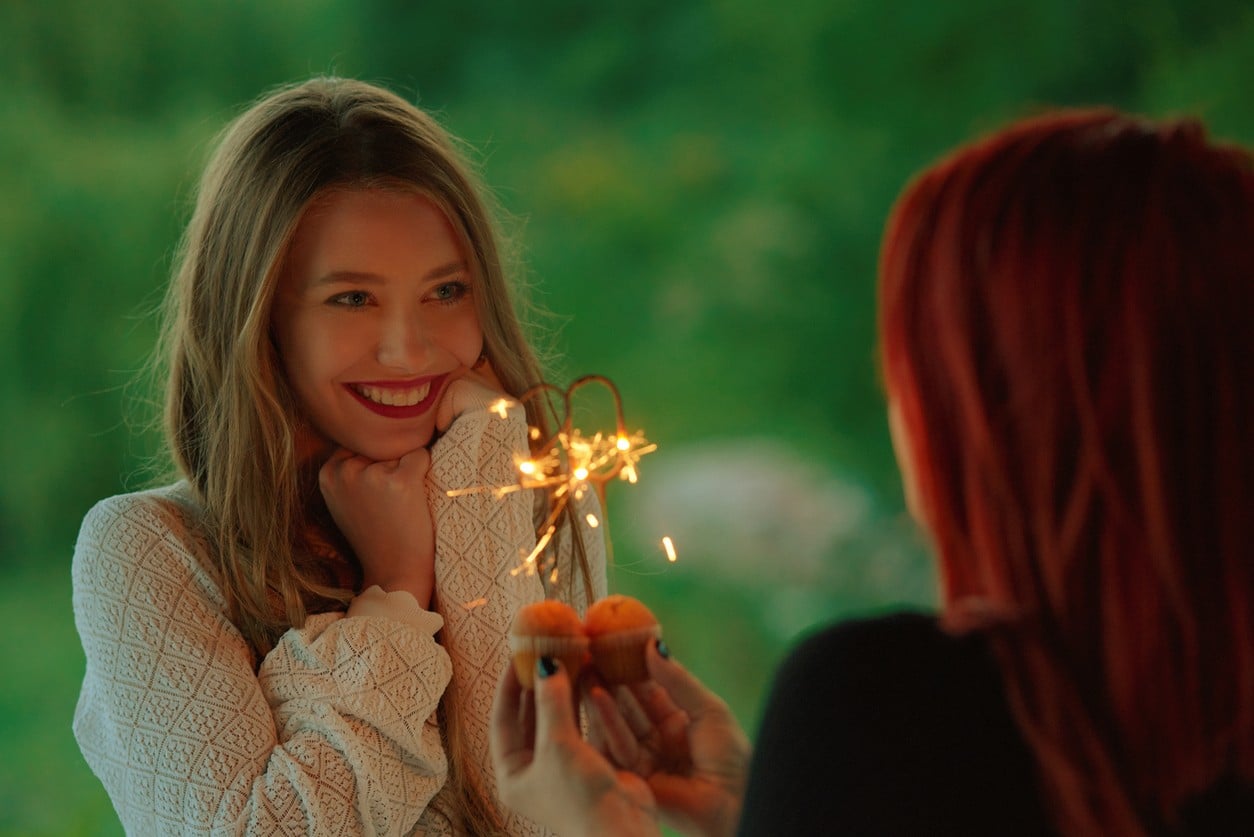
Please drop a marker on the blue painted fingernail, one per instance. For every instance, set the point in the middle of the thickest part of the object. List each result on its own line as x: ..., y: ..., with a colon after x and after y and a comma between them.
x: 546, y: 666
x: 662, y: 650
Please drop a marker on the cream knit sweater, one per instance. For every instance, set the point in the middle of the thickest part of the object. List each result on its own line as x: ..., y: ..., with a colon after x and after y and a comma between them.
x: 335, y: 732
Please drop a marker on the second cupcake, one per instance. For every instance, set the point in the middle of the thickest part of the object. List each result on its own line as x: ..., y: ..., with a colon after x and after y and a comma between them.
x: 619, y: 629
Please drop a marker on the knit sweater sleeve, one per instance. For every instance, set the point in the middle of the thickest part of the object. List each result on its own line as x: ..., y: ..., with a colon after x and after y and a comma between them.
x: 481, y: 575
x: 333, y: 734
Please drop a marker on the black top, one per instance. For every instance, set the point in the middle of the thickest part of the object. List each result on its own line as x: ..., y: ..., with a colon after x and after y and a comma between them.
x: 891, y: 726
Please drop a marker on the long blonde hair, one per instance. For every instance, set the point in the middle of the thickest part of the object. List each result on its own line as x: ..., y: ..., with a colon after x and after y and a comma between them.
x: 230, y: 416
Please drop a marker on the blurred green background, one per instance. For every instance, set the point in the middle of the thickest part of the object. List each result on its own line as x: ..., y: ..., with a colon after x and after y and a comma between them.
x: 696, y: 189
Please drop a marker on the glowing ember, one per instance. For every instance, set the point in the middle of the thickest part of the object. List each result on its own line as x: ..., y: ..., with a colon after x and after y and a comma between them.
x: 569, y: 462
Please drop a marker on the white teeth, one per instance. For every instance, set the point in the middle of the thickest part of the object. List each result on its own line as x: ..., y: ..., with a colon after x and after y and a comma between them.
x: 390, y: 397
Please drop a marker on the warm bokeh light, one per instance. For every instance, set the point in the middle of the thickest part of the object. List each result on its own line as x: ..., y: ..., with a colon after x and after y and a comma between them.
x: 568, y: 465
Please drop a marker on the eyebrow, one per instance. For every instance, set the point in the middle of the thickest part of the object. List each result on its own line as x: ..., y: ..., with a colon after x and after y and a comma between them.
x: 356, y: 276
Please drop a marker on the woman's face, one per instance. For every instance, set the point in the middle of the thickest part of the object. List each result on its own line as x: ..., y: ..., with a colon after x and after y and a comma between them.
x: 374, y: 310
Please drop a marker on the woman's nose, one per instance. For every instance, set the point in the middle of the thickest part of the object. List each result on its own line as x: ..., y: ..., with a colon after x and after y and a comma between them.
x: 403, y: 343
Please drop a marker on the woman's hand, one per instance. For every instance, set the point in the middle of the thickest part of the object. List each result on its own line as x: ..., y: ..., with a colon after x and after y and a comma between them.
x: 683, y: 739
x: 547, y: 772
x: 381, y: 508
x: 470, y: 389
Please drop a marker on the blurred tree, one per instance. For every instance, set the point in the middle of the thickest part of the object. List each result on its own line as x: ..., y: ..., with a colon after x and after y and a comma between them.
x: 699, y: 184
x: 696, y: 188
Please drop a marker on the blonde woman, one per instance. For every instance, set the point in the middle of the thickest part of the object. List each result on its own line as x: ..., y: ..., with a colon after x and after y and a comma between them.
x: 303, y: 632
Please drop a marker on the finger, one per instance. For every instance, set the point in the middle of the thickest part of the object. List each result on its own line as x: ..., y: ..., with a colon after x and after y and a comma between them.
x: 376, y: 470
x: 415, y: 464
x: 688, y: 693
x: 341, y: 454
x: 635, y: 715
x: 483, y: 369
x: 655, y: 701
x: 445, y: 409
x: 508, y: 741
x: 675, y: 745
x: 466, y: 391
x: 336, y: 459
x: 619, y: 741
x: 594, y: 727
x: 555, y: 717
x: 332, y: 470
x: 527, y: 715
x: 348, y: 463
x: 668, y: 721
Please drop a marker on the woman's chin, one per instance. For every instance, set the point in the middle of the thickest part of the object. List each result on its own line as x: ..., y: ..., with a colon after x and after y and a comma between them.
x: 373, y: 450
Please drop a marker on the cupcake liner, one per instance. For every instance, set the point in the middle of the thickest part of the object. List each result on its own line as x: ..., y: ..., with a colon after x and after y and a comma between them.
x: 620, y: 655
x: 527, y: 649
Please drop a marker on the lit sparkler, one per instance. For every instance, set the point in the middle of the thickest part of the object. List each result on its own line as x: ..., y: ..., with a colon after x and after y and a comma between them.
x: 570, y: 463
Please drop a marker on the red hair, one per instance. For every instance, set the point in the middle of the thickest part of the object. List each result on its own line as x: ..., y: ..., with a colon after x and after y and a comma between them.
x: 1065, y: 328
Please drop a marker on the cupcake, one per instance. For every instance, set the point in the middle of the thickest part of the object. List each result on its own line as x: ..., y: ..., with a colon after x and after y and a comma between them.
x: 620, y: 629
x: 547, y: 629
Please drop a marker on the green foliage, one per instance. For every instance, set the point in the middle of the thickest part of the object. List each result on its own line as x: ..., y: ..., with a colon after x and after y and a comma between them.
x: 45, y: 787
x: 697, y: 188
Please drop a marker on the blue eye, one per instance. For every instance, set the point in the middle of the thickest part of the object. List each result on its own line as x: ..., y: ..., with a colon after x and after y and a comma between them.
x: 450, y: 292
x: 351, y: 299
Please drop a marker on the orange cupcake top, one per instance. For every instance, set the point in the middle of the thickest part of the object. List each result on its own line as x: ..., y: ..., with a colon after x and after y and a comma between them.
x: 617, y: 613
x: 547, y: 618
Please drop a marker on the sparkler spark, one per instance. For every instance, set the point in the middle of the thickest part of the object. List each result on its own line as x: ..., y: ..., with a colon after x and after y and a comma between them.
x: 568, y: 463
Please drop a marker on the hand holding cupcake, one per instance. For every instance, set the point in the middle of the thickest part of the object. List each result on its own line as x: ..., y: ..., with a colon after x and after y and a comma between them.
x: 547, y: 629
x: 613, y: 638
x: 671, y: 753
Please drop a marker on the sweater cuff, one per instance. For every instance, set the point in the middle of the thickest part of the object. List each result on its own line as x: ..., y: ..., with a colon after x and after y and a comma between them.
x: 399, y: 605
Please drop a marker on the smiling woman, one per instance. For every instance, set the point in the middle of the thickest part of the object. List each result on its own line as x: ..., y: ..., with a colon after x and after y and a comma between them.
x: 261, y: 635
x: 373, y: 318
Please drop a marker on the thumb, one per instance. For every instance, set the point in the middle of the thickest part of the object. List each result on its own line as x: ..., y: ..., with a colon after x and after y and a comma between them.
x: 688, y: 693
x: 415, y: 463
x: 555, y: 714
x: 444, y: 409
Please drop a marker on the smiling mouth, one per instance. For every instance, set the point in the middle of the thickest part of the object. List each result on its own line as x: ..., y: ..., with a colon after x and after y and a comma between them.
x: 402, y: 400
x: 392, y: 397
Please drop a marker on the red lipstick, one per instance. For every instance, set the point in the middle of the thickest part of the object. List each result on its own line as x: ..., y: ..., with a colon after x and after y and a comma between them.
x: 375, y: 388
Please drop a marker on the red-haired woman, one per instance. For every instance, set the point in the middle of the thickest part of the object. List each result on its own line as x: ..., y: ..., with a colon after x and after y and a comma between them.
x: 1064, y: 317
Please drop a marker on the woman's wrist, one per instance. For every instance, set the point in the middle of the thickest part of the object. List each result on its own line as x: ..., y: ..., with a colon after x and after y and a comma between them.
x: 418, y: 587
x: 374, y: 602
x: 617, y: 814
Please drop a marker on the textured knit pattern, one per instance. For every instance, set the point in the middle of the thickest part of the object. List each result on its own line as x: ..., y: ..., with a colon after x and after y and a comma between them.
x: 335, y: 732
x: 481, y: 578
